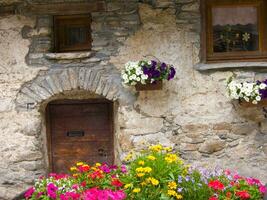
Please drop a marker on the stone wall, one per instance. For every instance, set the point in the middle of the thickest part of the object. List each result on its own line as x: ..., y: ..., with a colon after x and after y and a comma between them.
x: 191, y: 113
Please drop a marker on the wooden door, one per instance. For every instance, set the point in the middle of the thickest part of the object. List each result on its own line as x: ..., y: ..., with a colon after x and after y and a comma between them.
x: 79, y: 131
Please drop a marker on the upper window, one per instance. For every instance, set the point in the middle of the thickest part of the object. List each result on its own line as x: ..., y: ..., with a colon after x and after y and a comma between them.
x: 72, y: 33
x: 235, y: 30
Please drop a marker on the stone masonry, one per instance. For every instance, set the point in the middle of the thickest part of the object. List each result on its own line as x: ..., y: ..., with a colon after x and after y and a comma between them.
x: 191, y: 113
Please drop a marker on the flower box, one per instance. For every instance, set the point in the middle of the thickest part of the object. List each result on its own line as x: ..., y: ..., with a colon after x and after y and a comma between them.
x: 147, y: 75
x: 149, y: 86
x: 262, y: 103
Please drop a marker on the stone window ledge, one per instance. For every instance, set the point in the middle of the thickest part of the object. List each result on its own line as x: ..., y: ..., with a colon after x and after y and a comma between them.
x: 229, y: 65
x: 68, y: 56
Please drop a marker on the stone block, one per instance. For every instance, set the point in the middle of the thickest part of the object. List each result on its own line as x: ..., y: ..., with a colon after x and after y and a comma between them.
x: 6, y: 104
x: 211, y: 146
x: 222, y: 126
x: 244, y: 128
x: 191, y: 7
x: 195, y: 128
x: 65, y: 80
x: 73, y: 77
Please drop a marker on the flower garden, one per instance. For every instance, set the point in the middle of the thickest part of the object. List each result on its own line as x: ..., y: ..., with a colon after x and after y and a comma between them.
x: 152, y: 174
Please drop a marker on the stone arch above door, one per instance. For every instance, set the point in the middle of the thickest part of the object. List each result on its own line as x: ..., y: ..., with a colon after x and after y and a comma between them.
x: 56, y: 81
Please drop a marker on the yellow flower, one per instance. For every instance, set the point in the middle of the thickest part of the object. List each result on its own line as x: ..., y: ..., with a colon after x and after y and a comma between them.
x: 156, y: 148
x: 172, y: 193
x: 136, y: 190
x: 140, y: 174
x: 143, y: 183
x: 139, y: 169
x: 172, y: 185
x: 97, y: 164
x: 128, y: 157
x: 94, y: 168
x: 141, y: 162
x: 128, y: 185
x: 147, y: 169
x: 74, y: 175
x: 79, y: 163
x: 73, y: 169
x: 178, y: 196
x: 154, y: 181
x: 171, y: 158
x: 151, y: 157
x: 168, y: 149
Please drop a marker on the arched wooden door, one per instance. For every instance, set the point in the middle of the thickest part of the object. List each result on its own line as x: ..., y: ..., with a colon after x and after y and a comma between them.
x: 79, y: 131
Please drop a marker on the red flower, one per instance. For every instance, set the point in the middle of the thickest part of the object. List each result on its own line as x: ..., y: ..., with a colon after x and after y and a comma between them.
x: 213, y: 198
x: 96, y: 174
x: 83, y: 183
x: 216, y: 185
x: 116, y: 182
x: 243, y: 194
x: 84, y: 168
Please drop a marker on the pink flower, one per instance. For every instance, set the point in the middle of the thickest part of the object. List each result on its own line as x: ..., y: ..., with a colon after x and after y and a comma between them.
x: 123, y: 169
x: 227, y: 172
x: 52, y: 191
x: 250, y: 181
x: 29, y: 192
x: 75, y: 186
x: 262, y: 189
x: 69, y: 195
x: 105, y: 168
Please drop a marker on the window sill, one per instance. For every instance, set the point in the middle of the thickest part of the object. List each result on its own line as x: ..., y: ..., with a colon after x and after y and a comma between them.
x: 68, y: 56
x: 229, y: 65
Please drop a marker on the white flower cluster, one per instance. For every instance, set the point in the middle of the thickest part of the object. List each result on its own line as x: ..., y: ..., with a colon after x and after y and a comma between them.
x: 133, y: 74
x: 250, y: 92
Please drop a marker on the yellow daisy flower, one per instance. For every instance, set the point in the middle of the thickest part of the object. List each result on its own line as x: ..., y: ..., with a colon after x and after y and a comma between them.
x: 79, y: 163
x: 172, y: 185
x: 136, y: 190
x: 150, y: 157
x: 141, y: 162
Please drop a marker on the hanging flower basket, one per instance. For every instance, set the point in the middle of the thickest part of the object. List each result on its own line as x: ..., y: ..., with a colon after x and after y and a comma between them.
x: 261, y: 103
x: 157, y: 85
x: 147, y: 75
x: 249, y: 94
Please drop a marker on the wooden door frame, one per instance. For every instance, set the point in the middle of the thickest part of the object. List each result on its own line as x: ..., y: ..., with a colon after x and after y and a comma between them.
x: 77, y: 101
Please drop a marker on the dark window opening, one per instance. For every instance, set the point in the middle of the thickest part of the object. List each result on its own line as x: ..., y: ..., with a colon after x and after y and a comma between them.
x: 72, y: 33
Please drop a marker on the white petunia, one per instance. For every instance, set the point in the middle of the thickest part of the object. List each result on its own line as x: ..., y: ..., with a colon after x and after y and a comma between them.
x: 258, y: 98
x: 144, y: 77
x: 262, y: 86
x: 254, y: 102
x: 246, y: 99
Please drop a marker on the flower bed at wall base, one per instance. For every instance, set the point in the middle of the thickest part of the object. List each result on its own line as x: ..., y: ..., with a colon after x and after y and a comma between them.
x: 155, y: 173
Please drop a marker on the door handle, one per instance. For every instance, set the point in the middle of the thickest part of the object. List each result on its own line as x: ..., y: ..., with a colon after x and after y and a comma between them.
x: 102, y: 152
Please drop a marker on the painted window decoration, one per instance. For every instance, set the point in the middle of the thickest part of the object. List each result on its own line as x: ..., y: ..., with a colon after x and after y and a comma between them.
x: 235, y: 29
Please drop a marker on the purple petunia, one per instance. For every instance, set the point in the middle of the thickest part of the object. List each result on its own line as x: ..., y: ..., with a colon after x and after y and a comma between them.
x: 171, y: 73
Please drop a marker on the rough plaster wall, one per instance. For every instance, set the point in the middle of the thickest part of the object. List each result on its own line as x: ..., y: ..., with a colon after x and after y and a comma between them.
x: 206, y: 126
x: 20, y: 148
x: 191, y: 113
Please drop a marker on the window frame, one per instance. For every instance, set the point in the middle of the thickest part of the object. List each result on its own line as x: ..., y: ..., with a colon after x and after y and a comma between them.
x: 61, y: 21
x: 209, y: 56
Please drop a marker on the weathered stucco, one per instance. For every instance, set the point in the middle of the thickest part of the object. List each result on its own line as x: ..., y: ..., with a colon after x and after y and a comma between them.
x: 21, y: 155
x: 191, y: 113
